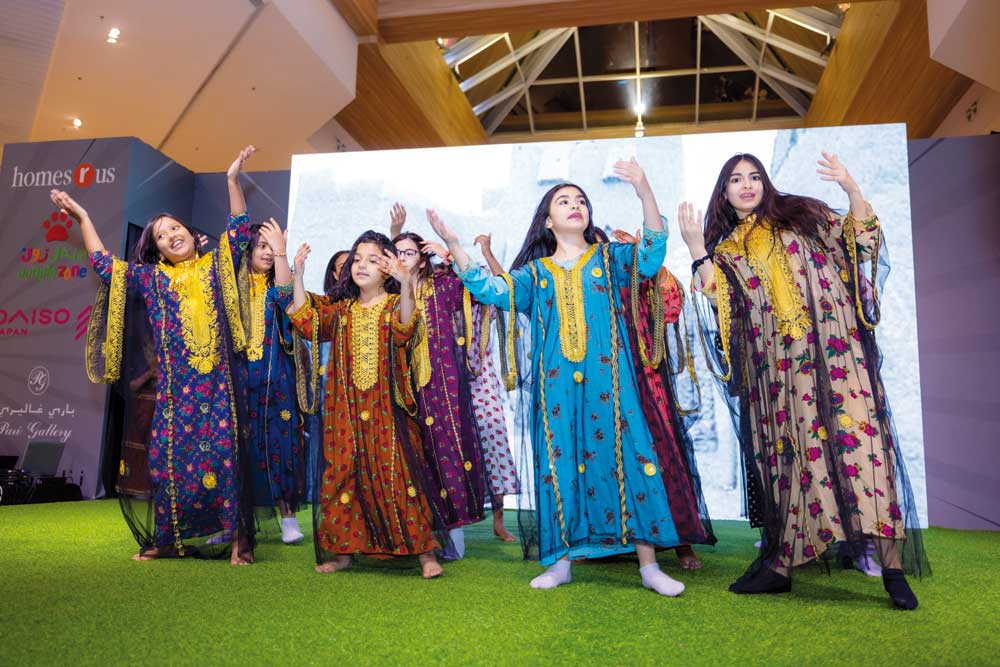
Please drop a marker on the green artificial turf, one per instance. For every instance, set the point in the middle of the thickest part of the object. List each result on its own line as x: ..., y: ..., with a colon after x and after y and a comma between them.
x: 71, y: 595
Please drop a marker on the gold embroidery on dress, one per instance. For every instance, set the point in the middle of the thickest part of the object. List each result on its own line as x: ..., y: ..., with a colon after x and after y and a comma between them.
x: 230, y: 294
x: 258, y: 316
x: 545, y: 421
x: 569, y: 304
x: 366, y: 322
x: 850, y: 240
x: 616, y: 393
x: 510, y: 380
x: 766, y: 255
x: 422, y: 351
x: 191, y: 282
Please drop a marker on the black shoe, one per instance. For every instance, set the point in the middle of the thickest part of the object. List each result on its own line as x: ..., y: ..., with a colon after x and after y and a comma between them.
x: 764, y: 581
x: 898, y: 589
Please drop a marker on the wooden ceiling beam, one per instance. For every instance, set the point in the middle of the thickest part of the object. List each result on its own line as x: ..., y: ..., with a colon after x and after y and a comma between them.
x: 405, y: 20
x: 656, y: 130
x: 361, y: 15
x: 406, y: 97
x: 673, y: 114
x: 881, y: 71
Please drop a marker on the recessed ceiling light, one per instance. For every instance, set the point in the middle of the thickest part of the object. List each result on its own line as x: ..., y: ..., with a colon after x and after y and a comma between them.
x: 113, y: 35
x: 77, y: 122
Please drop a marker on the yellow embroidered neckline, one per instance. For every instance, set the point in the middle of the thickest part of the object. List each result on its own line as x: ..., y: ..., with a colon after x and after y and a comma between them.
x: 258, y: 303
x: 191, y: 282
x: 568, y: 287
x: 422, y: 352
x: 365, y: 327
x: 764, y: 251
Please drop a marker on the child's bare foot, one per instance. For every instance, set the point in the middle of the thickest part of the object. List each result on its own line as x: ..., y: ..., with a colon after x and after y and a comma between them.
x: 338, y: 563
x: 687, y: 558
x: 237, y: 558
x: 149, y: 554
x: 431, y: 568
x: 500, y: 530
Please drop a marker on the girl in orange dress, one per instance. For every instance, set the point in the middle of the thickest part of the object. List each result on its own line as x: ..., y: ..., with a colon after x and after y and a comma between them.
x: 372, y: 499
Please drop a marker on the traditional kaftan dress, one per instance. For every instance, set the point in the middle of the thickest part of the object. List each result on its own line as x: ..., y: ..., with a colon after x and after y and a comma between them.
x: 194, y: 455
x: 372, y: 498
x: 449, y: 430
x: 597, y: 484
x: 673, y: 445
x: 276, y: 423
x: 796, y: 319
x: 487, y: 403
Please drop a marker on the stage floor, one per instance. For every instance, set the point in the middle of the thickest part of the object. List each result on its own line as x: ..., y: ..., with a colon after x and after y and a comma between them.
x: 72, y: 595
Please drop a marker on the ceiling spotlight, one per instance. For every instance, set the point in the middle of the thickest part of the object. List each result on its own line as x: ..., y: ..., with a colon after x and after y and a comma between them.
x: 112, y: 40
x: 639, y: 108
x: 77, y: 122
x: 440, y: 41
x: 113, y: 35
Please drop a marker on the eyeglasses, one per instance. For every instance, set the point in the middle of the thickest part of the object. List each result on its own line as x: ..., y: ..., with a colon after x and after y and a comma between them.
x: 408, y: 253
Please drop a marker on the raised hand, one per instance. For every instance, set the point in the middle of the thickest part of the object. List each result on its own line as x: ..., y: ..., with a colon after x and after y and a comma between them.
x: 630, y: 172
x: 834, y: 170
x: 443, y: 231
x: 484, y: 241
x: 201, y: 241
x: 392, y: 266
x: 397, y: 218
x: 432, y: 248
x: 691, y: 229
x: 624, y: 237
x: 237, y: 166
x: 67, y: 204
x: 272, y: 234
x: 300, y: 259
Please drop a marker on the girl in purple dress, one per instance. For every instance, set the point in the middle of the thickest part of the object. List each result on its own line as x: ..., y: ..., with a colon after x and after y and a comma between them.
x: 440, y: 372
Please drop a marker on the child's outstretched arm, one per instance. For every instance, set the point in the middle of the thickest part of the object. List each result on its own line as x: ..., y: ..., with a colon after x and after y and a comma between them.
x: 237, y: 204
x: 68, y: 205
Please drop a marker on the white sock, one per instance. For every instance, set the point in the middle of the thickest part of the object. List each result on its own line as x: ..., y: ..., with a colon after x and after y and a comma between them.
x: 290, y: 531
x: 656, y: 579
x: 457, y: 537
x: 557, y: 575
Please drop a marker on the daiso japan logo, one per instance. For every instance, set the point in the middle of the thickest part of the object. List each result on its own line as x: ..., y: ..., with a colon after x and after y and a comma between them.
x: 82, y: 176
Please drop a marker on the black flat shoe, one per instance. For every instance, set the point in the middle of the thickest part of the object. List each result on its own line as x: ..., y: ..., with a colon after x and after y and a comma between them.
x: 898, y: 589
x: 765, y: 581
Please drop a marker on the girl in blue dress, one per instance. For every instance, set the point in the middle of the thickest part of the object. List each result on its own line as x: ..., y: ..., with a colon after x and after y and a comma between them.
x: 597, y: 485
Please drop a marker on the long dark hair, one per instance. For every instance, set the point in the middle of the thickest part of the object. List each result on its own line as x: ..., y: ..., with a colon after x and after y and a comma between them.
x: 345, y: 288
x: 248, y: 255
x: 540, y: 241
x: 329, y: 278
x: 424, y: 271
x: 145, y: 251
x: 796, y: 213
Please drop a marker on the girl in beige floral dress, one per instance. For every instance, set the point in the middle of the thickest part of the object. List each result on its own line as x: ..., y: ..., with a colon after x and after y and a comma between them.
x: 796, y: 318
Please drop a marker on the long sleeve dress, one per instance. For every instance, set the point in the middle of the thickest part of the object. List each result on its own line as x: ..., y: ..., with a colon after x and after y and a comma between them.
x: 371, y: 495
x: 194, y: 454
x: 796, y: 317
x: 449, y: 430
x: 597, y: 484
x: 277, y: 431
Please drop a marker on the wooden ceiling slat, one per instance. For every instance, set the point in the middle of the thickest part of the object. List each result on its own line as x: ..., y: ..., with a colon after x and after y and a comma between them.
x: 405, y: 20
x: 881, y: 71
